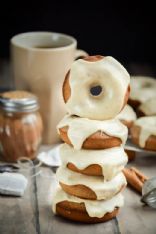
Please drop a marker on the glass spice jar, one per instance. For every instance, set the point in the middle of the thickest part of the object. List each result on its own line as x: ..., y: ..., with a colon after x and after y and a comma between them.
x: 20, y: 125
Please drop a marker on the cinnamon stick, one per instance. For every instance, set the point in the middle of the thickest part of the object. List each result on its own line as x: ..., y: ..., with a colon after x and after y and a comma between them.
x: 135, y: 178
x: 139, y: 174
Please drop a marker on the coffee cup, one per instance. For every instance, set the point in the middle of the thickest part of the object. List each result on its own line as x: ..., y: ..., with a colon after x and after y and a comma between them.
x: 40, y: 61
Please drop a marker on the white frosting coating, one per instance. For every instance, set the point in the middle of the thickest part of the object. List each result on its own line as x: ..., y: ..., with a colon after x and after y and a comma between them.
x: 127, y: 114
x: 79, y: 129
x: 149, y: 107
x: 93, y: 208
x: 142, y: 88
x: 107, y: 73
x: 103, y: 189
x: 148, y: 127
x: 112, y: 160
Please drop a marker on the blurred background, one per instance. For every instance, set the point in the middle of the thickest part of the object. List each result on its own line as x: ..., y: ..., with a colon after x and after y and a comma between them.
x: 126, y: 31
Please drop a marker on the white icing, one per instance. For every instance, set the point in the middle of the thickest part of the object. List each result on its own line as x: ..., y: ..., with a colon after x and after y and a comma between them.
x: 112, y: 160
x: 142, y: 88
x: 127, y: 114
x: 93, y: 208
x: 103, y: 189
x: 107, y: 73
x: 148, y: 128
x: 79, y: 129
x: 149, y: 107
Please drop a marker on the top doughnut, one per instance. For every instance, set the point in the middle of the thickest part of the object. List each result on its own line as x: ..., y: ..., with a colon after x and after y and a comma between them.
x: 96, y: 87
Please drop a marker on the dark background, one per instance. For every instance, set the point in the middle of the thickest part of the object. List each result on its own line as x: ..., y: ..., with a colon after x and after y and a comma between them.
x: 126, y: 30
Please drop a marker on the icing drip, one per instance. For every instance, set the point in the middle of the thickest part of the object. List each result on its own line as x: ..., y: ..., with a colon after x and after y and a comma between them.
x: 142, y: 88
x: 148, y: 128
x: 79, y: 129
x: 103, y: 189
x: 93, y: 208
x: 149, y: 107
x: 106, y: 73
x: 112, y: 160
x: 127, y: 114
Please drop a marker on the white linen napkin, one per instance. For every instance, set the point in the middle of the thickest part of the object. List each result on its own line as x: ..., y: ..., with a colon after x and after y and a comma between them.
x: 12, y: 184
x: 50, y: 157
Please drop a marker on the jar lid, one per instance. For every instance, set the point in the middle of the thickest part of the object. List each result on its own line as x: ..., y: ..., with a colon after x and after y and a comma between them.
x: 18, y: 101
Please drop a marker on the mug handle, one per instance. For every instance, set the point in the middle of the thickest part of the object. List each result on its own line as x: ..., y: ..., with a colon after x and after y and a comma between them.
x: 80, y: 54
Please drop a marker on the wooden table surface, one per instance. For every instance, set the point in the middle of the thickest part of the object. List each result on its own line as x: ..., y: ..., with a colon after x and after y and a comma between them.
x: 32, y: 214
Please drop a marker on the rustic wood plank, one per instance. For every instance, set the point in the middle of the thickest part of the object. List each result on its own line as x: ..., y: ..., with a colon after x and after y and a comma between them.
x: 19, y: 215
x: 50, y: 223
x: 32, y: 213
x: 134, y: 216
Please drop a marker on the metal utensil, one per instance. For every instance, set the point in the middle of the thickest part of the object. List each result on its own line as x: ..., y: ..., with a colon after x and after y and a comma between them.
x: 149, y: 192
x: 8, y: 168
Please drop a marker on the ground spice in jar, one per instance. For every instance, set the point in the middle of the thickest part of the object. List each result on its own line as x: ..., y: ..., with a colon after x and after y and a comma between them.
x: 20, y: 125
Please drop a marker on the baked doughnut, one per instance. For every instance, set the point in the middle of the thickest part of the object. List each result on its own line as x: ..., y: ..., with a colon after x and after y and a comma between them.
x: 142, y: 89
x: 89, y: 187
x: 131, y: 154
x: 107, y: 163
x: 148, y: 108
x: 143, y: 132
x: 86, y: 211
x: 127, y: 116
x: 96, y: 87
x: 92, y: 134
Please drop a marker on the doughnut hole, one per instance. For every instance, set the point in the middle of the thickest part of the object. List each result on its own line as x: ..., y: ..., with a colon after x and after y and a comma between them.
x: 95, y: 90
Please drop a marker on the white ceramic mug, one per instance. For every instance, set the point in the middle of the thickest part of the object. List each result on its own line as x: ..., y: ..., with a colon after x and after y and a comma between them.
x: 40, y: 61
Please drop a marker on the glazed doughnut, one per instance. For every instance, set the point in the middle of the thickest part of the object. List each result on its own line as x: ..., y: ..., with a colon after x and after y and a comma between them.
x: 143, y: 132
x: 107, y: 163
x: 77, y: 212
x: 142, y: 89
x: 148, y: 108
x: 96, y: 87
x: 86, y: 211
x: 92, y: 134
x: 127, y: 116
x: 89, y: 187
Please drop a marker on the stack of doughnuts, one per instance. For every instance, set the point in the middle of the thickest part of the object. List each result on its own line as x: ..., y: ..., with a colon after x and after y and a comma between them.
x: 95, y: 91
